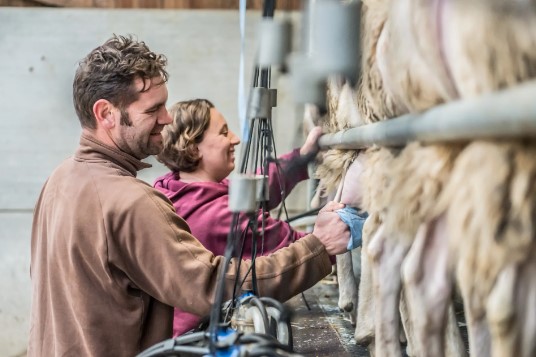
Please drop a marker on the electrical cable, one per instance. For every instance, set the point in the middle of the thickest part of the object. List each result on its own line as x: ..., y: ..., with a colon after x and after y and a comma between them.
x: 285, y: 315
x: 311, y: 212
x: 215, y: 313
x: 255, y: 301
x: 253, y: 222
x: 239, y: 263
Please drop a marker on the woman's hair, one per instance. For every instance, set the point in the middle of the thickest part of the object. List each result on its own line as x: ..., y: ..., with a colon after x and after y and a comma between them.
x: 191, y: 119
x: 109, y: 72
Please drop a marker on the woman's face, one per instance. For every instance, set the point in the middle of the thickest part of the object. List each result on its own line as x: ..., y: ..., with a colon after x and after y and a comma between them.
x: 217, y: 148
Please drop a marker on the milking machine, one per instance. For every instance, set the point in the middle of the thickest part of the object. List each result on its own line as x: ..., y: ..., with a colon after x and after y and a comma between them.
x: 246, y: 325
x: 250, y: 325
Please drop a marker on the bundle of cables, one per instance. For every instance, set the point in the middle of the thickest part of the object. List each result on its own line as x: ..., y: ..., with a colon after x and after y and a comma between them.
x: 230, y: 344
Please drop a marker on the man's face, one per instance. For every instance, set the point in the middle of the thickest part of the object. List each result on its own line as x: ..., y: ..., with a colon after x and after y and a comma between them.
x: 147, y: 116
x: 217, y: 148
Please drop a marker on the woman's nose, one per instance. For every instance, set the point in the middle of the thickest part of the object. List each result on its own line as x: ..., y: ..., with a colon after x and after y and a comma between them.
x: 235, y: 140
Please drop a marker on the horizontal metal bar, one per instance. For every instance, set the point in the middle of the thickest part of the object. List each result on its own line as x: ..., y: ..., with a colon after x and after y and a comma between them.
x: 16, y: 210
x: 503, y: 114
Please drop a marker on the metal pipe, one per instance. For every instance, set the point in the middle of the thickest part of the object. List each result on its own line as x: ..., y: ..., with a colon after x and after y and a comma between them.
x: 242, y: 193
x: 504, y: 114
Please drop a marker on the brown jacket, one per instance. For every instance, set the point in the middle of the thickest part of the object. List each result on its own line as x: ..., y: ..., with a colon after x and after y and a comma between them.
x: 110, y: 258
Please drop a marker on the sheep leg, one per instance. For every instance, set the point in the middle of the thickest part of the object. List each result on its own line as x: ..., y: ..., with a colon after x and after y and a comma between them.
x: 526, y: 307
x: 477, y: 326
x: 356, y: 265
x: 479, y: 335
x: 454, y: 345
x: 386, y: 257
x: 407, y: 325
x: 511, y: 311
x: 364, y: 330
x: 372, y: 349
x: 428, y: 291
x: 347, y: 285
x: 500, y: 312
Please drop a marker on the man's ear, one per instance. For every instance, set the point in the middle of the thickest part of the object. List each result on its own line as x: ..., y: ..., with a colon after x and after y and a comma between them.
x: 104, y: 113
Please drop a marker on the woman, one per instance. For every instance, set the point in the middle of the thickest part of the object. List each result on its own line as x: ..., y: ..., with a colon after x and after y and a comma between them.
x: 199, y: 150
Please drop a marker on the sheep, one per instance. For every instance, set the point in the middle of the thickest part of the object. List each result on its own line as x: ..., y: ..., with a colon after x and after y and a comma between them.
x: 488, y: 201
x: 409, y: 74
x: 457, y: 55
x: 374, y: 181
x: 341, y: 115
x: 418, y: 174
x: 490, y: 222
x: 421, y: 173
x: 374, y: 103
x: 489, y: 44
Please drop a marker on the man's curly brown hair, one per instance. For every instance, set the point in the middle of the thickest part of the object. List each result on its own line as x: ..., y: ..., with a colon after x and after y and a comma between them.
x: 191, y: 120
x: 109, y: 71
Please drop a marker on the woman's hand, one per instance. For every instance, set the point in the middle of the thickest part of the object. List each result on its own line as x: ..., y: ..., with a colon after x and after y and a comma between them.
x: 310, y: 147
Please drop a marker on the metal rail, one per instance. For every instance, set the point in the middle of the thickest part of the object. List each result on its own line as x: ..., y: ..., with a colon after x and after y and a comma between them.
x: 504, y: 114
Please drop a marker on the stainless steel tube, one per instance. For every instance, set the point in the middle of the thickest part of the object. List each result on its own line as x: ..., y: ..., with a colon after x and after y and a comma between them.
x: 503, y: 114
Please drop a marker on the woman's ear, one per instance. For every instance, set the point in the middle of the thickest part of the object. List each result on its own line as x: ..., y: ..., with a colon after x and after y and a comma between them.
x: 197, y: 152
x: 104, y: 113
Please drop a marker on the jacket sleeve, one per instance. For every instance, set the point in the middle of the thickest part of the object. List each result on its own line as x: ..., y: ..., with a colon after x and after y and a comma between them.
x: 153, y: 246
x: 284, y: 175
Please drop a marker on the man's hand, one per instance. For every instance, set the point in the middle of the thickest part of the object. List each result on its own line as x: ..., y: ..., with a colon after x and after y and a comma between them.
x: 310, y: 147
x: 330, y: 230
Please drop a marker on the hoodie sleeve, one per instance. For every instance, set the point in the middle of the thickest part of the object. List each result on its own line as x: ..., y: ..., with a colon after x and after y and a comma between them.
x: 284, y: 175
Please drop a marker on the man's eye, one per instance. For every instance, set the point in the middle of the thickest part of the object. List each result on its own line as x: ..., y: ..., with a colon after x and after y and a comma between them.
x: 153, y: 110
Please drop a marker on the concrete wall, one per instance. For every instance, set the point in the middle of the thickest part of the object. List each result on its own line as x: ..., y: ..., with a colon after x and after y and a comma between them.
x: 39, y: 49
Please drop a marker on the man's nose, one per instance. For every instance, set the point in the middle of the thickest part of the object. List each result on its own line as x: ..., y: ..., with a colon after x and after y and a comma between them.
x: 165, y: 118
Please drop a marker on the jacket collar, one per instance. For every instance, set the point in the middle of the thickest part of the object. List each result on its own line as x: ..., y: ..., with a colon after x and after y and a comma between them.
x: 91, y: 148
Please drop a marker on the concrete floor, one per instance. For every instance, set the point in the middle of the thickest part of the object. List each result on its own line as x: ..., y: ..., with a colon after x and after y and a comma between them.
x: 323, y: 330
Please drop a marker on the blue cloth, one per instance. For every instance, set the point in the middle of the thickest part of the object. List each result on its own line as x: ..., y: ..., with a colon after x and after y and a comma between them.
x: 355, y: 221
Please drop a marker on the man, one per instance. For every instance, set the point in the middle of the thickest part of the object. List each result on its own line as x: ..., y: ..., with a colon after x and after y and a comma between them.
x: 110, y: 257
